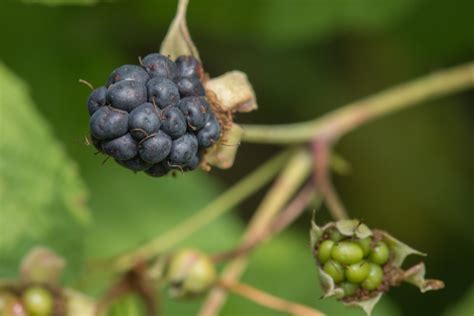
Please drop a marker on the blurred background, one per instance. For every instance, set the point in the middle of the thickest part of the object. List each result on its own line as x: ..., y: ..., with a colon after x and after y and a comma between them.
x: 412, y: 173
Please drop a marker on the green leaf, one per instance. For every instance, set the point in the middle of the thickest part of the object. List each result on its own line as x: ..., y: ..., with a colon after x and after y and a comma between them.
x: 42, y: 197
x: 61, y: 2
x: 464, y: 307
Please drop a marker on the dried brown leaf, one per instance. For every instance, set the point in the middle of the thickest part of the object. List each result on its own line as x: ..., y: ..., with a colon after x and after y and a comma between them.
x: 234, y: 91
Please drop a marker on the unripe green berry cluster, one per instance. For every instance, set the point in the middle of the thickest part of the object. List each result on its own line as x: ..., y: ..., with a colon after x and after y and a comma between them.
x: 354, y: 264
x: 32, y: 301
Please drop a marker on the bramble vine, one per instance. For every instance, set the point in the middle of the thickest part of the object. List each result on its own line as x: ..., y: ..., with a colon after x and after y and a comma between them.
x: 302, y: 174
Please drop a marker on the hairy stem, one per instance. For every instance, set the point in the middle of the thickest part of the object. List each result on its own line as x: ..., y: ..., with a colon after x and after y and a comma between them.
x: 297, y: 170
x: 268, y: 300
x: 341, y: 121
x: 219, y: 206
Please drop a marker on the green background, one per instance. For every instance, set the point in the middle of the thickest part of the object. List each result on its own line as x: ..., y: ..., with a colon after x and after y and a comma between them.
x: 412, y: 172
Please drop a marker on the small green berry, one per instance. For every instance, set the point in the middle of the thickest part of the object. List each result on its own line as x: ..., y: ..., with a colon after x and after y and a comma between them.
x: 364, y: 244
x: 357, y: 272
x: 380, y: 253
x: 335, y: 270
x: 324, y: 250
x: 347, y: 252
x: 349, y: 288
x: 375, y: 277
x: 335, y: 235
x: 38, y: 301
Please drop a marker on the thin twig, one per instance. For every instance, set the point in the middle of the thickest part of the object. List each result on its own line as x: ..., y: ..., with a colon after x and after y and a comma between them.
x: 343, y: 120
x: 293, y: 210
x: 297, y: 170
x: 322, y: 175
x: 265, y: 299
x: 134, y: 281
x: 225, y: 202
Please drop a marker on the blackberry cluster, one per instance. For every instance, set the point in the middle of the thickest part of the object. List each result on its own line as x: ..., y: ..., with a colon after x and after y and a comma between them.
x: 357, y: 266
x: 154, y: 117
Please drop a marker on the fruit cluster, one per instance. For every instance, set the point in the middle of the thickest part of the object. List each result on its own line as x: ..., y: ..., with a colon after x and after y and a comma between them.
x: 355, y: 265
x: 154, y: 117
x: 32, y: 301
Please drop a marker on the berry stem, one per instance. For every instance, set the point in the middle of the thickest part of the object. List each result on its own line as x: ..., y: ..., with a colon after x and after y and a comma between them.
x: 292, y: 211
x: 321, y: 149
x: 268, y: 300
x: 224, y: 203
x: 345, y: 119
x: 297, y: 170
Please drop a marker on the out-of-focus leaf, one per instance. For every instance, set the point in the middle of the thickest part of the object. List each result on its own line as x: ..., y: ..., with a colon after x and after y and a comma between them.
x: 41, y: 194
x: 433, y: 41
x: 61, y: 2
x: 464, y: 307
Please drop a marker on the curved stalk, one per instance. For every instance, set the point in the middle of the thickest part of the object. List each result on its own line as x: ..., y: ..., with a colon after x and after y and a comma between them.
x: 338, y: 122
x: 292, y: 176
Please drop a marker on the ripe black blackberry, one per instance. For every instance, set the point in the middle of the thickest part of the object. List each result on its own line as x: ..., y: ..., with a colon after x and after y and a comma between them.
x: 154, y: 117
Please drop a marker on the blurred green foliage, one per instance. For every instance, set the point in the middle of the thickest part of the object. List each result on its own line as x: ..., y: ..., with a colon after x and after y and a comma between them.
x: 464, y: 307
x: 412, y: 172
x: 61, y: 2
x: 42, y: 194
